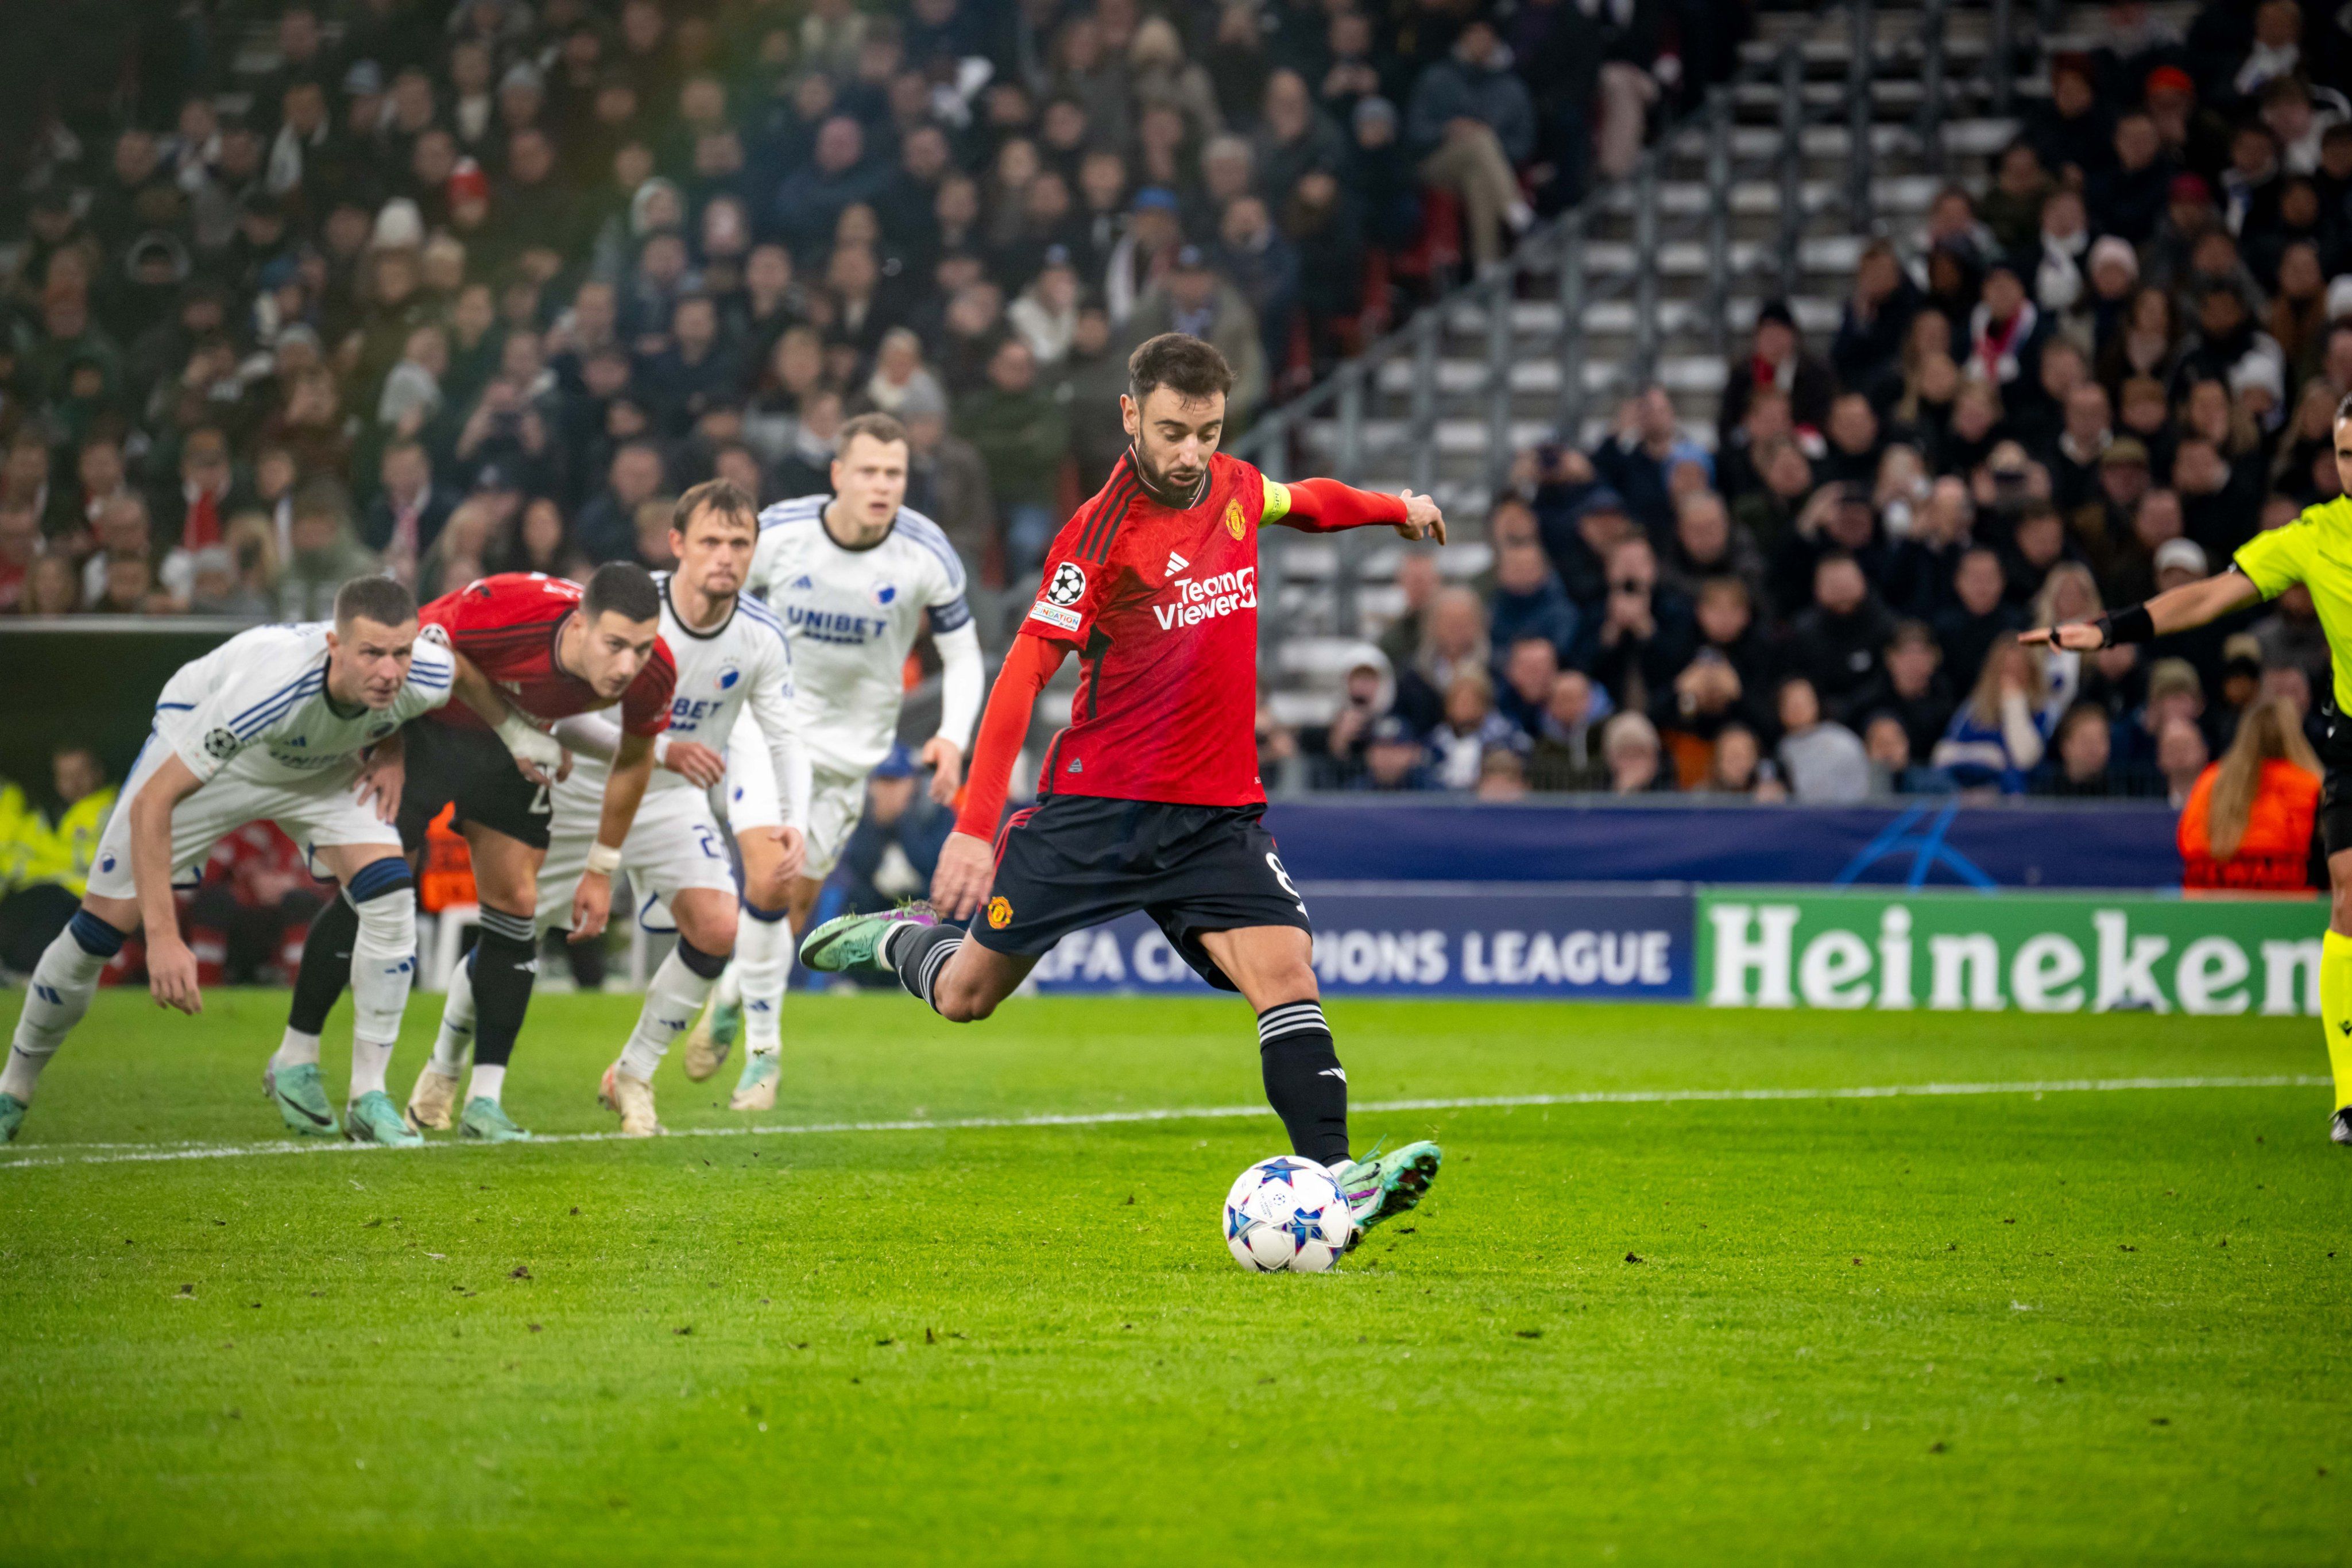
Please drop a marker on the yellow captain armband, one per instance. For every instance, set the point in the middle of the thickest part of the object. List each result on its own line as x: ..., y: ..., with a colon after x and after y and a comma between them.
x: 1277, y: 503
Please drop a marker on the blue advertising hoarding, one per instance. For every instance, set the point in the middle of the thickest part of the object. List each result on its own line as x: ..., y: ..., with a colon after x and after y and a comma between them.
x: 1426, y: 939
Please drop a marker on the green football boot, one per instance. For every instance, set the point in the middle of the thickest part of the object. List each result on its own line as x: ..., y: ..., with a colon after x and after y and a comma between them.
x: 756, y: 1089
x: 300, y: 1099
x: 1385, y: 1185
x: 487, y: 1122
x: 713, y: 1040
x: 851, y: 941
x: 12, y: 1116
x: 372, y: 1118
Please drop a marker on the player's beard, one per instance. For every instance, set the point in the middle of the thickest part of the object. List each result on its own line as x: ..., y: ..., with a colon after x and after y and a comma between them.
x: 1164, y: 488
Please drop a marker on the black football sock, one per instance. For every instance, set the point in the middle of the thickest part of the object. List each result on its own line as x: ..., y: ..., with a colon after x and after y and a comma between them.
x: 326, y: 969
x: 1304, y: 1081
x: 506, y: 961
x: 920, y: 953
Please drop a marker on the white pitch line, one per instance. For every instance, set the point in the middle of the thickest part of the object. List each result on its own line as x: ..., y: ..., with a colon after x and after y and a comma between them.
x: 121, y: 1154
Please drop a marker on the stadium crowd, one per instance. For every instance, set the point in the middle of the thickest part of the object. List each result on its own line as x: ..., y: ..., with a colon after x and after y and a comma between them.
x: 450, y: 287
x: 2093, y: 381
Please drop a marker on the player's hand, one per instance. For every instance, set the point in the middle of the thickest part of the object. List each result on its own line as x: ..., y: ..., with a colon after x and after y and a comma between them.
x: 2079, y: 636
x: 383, y: 777
x: 791, y: 847
x: 697, y: 763
x: 1422, y: 519
x: 944, y: 757
x: 965, y: 869
x: 546, y: 776
x: 591, y: 905
x: 172, y: 975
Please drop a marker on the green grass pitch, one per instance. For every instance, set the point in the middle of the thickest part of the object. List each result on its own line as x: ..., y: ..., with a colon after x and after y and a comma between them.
x: 2088, y: 1325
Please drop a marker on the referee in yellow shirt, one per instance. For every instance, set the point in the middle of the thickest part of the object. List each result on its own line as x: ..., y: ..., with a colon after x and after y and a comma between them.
x: 2316, y: 550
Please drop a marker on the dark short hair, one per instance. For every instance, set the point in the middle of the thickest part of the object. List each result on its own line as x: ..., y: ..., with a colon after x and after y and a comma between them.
x: 383, y: 599
x: 2344, y: 409
x: 624, y: 589
x: 1191, y: 368
x: 875, y: 425
x: 721, y: 496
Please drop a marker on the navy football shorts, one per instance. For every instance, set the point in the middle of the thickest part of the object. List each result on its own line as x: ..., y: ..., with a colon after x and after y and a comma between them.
x: 1075, y: 861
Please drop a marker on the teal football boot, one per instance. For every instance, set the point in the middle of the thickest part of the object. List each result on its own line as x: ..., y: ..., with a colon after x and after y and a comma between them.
x: 487, y: 1122
x: 854, y: 941
x: 1386, y: 1186
x: 300, y: 1099
x: 372, y: 1118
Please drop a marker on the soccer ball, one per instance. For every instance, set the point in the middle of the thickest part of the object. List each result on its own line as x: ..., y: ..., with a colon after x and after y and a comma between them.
x: 1287, y: 1213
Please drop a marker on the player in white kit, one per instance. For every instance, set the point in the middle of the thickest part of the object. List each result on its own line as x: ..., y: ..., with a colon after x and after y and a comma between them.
x: 734, y: 687
x: 855, y: 577
x: 271, y: 725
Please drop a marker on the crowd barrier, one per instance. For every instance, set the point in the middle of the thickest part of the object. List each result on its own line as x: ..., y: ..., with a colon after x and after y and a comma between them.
x: 1913, y: 843
x: 1811, y: 948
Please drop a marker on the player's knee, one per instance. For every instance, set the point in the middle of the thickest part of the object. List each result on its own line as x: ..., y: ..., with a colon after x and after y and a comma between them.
x: 383, y: 892
x: 2339, y: 909
x: 960, y: 999
x: 707, y: 930
x: 770, y: 893
x: 964, y: 1004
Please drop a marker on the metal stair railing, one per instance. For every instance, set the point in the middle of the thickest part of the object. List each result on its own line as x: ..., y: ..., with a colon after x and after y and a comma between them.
x: 1275, y: 442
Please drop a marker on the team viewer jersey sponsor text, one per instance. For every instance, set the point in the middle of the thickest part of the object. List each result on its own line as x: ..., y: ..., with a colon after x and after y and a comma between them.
x: 1161, y: 606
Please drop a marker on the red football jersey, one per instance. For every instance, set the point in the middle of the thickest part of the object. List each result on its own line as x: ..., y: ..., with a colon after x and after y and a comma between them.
x: 1161, y: 605
x: 507, y: 624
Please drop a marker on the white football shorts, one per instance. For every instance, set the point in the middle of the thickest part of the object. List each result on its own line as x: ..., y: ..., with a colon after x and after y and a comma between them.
x: 836, y: 801
x: 322, y: 810
x: 675, y: 844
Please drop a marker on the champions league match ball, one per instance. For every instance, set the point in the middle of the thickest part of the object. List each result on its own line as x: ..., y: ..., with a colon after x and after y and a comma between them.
x: 1288, y: 1214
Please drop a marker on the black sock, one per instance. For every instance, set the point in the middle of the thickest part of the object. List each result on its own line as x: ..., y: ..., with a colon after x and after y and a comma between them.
x: 919, y: 952
x: 326, y: 969
x: 506, y: 961
x: 1304, y: 1081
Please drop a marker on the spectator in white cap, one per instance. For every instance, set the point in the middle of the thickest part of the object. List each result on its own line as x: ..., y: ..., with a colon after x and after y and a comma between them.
x: 2340, y: 297
x: 399, y: 226
x: 2258, y: 385
x: 2179, y: 561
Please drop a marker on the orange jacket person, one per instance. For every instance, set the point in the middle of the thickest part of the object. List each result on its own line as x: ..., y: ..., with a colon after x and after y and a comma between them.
x: 2247, y: 826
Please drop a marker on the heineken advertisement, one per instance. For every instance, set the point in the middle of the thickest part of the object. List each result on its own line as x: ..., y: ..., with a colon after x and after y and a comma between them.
x: 2032, y: 952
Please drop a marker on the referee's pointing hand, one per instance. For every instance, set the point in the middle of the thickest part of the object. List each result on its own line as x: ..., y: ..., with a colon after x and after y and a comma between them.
x: 2079, y: 636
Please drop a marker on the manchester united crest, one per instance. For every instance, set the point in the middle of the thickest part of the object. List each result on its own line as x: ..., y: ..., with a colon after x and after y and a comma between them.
x: 1233, y: 524
x: 1000, y: 913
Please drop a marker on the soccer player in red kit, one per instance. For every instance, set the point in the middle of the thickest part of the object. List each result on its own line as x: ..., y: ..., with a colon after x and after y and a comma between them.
x: 552, y: 649
x: 1150, y: 798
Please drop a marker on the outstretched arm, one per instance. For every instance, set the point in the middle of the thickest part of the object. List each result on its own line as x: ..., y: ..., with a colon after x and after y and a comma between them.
x: 966, y: 860
x: 2178, y: 609
x: 1326, y: 506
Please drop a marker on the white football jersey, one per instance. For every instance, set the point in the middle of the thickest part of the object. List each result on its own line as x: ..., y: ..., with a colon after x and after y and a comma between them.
x: 853, y: 616
x: 257, y: 706
x: 745, y: 664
